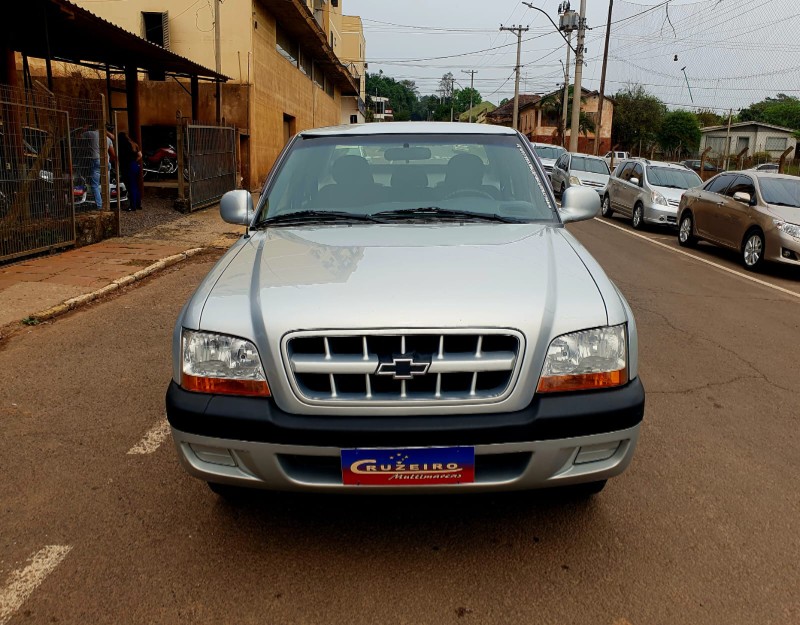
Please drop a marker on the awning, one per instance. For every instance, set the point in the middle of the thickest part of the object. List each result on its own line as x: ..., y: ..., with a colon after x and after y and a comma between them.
x: 66, y: 32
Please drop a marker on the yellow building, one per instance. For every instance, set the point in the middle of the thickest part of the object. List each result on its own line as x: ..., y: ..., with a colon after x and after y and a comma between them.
x: 354, y: 49
x: 281, y: 56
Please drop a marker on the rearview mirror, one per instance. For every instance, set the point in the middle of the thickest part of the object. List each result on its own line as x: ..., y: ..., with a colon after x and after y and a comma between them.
x: 634, y: 181
x: 741, y: 196
x: 579, y: 204
x: 236, y: 207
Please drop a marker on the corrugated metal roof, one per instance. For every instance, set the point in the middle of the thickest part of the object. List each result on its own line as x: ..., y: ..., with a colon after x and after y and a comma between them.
x: 73, y: 34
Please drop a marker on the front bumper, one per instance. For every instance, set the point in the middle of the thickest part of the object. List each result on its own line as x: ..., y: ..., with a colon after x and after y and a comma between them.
x: 251, y: 442
x: 661, y: 215
x: 782, y: 248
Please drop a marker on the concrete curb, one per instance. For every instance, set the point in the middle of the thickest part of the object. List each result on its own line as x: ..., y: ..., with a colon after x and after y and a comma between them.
x: 80, y: 300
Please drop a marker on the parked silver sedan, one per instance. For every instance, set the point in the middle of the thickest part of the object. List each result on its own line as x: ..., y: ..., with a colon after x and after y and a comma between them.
x: 648, y: 192
x: 412, y: 316
x: 580, y: 170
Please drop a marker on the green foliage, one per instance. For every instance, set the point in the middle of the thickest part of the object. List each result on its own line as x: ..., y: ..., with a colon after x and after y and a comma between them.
x: 503, y: 101
x: 462, y: 97
x: 638, y: 116
x: 782, y: 110
x: 30, y: 321
x: 680, y: 132
x: 710, y: 118
x: 552, y: 109
x: 402, y: 94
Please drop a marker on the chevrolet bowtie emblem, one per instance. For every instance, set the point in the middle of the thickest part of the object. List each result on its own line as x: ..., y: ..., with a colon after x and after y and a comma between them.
x: 404, y: 366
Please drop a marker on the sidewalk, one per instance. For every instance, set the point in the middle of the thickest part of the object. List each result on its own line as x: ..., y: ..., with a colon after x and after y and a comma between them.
x: 52, y: 284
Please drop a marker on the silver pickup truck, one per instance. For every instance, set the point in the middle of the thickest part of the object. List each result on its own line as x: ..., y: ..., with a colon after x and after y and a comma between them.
x: 406, y: 312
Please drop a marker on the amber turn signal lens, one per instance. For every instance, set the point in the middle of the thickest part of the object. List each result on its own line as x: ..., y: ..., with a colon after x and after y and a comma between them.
x: 582, y: 382
x: 221, y: 386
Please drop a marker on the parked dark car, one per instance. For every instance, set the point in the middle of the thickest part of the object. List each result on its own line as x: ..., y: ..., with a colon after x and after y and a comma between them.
x: 695, y: 166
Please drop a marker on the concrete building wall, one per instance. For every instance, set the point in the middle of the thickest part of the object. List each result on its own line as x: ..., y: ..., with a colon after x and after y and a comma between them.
x: 756, y: 138
x: 284, y: 100
x: 191, y: 31
x: 353, y: 54
x: 536, y: 126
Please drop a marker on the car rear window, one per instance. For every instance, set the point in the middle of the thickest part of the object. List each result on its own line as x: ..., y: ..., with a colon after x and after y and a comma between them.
x: 591, y: 165
x: 546, y: 151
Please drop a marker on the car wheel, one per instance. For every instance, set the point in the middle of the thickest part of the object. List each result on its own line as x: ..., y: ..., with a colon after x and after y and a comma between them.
x: 228, y: 492
x: 686, y: 231
x: 753, y: 250
x: 605, y: 209
x: 638, y: 217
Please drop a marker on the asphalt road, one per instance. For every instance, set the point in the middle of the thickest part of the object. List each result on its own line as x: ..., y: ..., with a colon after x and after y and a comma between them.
x: 703, y: 528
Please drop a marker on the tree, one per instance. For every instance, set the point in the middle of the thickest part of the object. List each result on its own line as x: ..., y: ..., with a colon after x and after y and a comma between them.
x: 464, y: 97
x: 680, y: 132
x: 637, y: 118
x: 709, y: 118
x: 446, y: 86
x: 552, y: 109
x: 782, y: 110
x: 403, y: 95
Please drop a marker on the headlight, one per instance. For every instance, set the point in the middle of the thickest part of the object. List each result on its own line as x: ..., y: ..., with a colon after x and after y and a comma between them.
x: 215, y: 363
x: 586, y: 360
x: 659, y: 199
x: 793, y: 230
x: 574, y: 180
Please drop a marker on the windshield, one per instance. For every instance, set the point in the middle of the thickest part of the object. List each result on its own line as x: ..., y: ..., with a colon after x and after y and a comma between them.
x: 780, y: 191
x: 673, y: 177
x: 366, y: 175
x: 591, y: 165
x: 546, y: 151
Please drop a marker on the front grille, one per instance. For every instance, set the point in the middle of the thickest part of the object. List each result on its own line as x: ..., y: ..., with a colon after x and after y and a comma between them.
x: 432, y: 366
x: 590, y: 183
x: 674, y: 202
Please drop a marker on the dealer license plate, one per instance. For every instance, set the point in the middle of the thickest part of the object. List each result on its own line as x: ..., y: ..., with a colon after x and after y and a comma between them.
x: 408, y: 467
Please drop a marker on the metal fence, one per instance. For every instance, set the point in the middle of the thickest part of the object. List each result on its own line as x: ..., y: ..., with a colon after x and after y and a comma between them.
x: 36, y: 207
x: 209, y: 163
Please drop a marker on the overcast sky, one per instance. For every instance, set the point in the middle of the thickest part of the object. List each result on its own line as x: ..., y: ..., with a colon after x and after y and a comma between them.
x: 735, y: 51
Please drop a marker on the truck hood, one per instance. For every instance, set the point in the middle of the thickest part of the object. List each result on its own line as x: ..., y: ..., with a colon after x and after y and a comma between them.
x: 527, y: 277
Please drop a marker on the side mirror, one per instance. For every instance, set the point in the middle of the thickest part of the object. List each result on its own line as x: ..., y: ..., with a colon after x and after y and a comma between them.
x: 741, y: 196
x: 236, y: 207
x: 634, y: 181
x: 579, y: 204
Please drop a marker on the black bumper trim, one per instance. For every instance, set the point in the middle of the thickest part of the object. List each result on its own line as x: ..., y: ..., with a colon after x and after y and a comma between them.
x: 546, y: 418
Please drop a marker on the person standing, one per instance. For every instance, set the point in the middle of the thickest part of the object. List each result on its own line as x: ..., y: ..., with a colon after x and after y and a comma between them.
x: 92, y: 138
x: 130, y: 162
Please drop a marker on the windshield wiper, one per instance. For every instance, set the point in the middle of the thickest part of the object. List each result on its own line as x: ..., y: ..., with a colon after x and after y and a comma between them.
x: 783, y: 204
x: 315, y: 216
x: 447, y: 213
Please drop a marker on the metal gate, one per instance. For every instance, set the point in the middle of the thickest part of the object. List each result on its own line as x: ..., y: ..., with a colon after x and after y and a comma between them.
x: 36, y: 206
x: 209, y: 163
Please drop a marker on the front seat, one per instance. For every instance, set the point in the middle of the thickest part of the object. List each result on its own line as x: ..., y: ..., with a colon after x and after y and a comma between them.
x: 465, y: 171
x: 410, y: 184
x: 354, y: 185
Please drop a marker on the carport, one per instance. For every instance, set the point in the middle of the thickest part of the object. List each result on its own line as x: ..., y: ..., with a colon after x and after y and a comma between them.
x: 58, y: 30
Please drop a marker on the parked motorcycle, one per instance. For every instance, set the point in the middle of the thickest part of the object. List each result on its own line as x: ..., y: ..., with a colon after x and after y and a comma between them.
x: 161, y: 162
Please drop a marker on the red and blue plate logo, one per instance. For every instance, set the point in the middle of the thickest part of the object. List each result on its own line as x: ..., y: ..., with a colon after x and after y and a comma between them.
x: 408, y: 467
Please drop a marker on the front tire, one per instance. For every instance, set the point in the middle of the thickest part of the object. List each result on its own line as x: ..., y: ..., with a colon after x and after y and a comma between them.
x: 637, y: 220
x: 753, y: 250
x: 686, y: 236
x: 605, y: 209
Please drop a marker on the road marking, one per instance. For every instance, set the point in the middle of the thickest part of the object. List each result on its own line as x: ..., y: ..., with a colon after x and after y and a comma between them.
x: 769, y: 285
x: 152, y: 440
x: 23, y: 582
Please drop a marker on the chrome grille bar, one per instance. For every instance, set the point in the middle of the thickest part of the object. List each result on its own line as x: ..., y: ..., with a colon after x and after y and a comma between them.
x: 449, y: 365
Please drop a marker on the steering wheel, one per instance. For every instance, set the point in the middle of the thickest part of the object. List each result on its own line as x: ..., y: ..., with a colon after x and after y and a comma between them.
x: 468, y: 193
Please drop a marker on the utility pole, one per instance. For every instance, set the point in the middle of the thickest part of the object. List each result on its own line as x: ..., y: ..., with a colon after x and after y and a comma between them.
x: 603, y: 82
x: 519, y: 30
x: 452, y: 96
x: 565, y: 103
x: 576, y: 92
x: 728, y: 139
x: 218, y: 58
x: 471, y: 73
